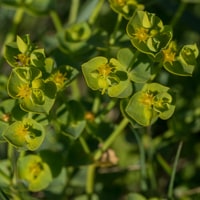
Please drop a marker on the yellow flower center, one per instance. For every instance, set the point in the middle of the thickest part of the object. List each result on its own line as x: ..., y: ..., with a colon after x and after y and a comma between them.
x: 59, y: 79
x: 22, y: 60
x: 104, y: 70
x: 6, y: 117
x: 147, y: 99
x: 22, y: 131
x: 24, y: 91
x: 169, y: 55
x: 120, y: 3
x: 141, y: 34
x: 35, y: 169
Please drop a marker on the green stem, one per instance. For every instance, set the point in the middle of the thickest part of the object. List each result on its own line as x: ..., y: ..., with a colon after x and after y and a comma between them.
x: 136, y: 54
x: 178, y: 14
x: 73, y: 11
x: 84, y: 145
x: 142, y: 161
x: 96, y: 104
x: 111, y: 138
x: 171, y: 184
x: 96, y: 11
x: 164, y: 164
x: 90, y: 181
x: 114, y: 34
x: 16, y: 20
x: 56, y: 21
x: 11, y: 157
x: 75, y: 89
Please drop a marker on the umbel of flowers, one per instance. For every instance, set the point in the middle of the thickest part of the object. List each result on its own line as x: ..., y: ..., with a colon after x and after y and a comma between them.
x: 136, y: 67
x: 33, y: 85
x: 34, y: 82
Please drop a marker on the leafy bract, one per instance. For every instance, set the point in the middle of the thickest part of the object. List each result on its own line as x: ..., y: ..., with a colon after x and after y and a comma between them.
x: 107, y: 76
x: 74, y: 38
x: 184, y: 62
x: 147, y: 32
x: 27, y: 134
x: 153, y: 101
x: 34, y: 172
x: 140, y: 67
x: 35, y: 95
x: 125, y: 7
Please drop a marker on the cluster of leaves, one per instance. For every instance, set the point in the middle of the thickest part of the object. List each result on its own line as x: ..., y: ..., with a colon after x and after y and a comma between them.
x: 43, y: 99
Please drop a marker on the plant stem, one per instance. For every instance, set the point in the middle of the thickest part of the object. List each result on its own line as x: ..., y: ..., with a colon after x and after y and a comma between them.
x: 111, y: 138
x: 135, y: 56
x: 164, y: 164
x: 90, y: 180
x: 96, y: 104
x: 16, y: 20
x: 113, y: 35
x: 56, y: 21
x: 171, y: 184
x: 73, y: 11
x: 75, y: 89
x: 142, y: 161
x: 178, y: 14
x: 96, y: 11
x: 84, y: 145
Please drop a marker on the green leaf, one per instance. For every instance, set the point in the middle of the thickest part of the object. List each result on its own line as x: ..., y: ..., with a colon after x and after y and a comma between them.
x: 35, y: 172
x: 75, y: 123
x: 54, y: 161
x: 10, y: 53
x: 4, y: 173
x: 121, y: 90
x: 74, y: 129
x: 22, y: 46
x: 26, y: 134
x: 37, y: 58
x: 141, y: 67
x: 3, y: 126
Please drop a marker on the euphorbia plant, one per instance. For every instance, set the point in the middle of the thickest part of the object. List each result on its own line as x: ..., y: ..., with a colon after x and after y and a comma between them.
x: 59, y: 118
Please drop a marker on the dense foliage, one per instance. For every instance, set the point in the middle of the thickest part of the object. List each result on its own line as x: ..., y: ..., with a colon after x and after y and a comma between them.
x: 99, y: 99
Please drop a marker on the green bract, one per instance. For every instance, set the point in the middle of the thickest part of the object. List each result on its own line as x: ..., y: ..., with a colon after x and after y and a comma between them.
x: 125, y: 7
x: 153, y: 101
x: 35, y: 172
x: 27, y: 134
x: 141, y: 70
x: 63, y: 76
x: 72, y: 123
x: 110, y: 76
x: 35, y: 95
x: 147, y: 32
x: 181, y: 63
x: 74, y: 38
x: 23, y: 53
